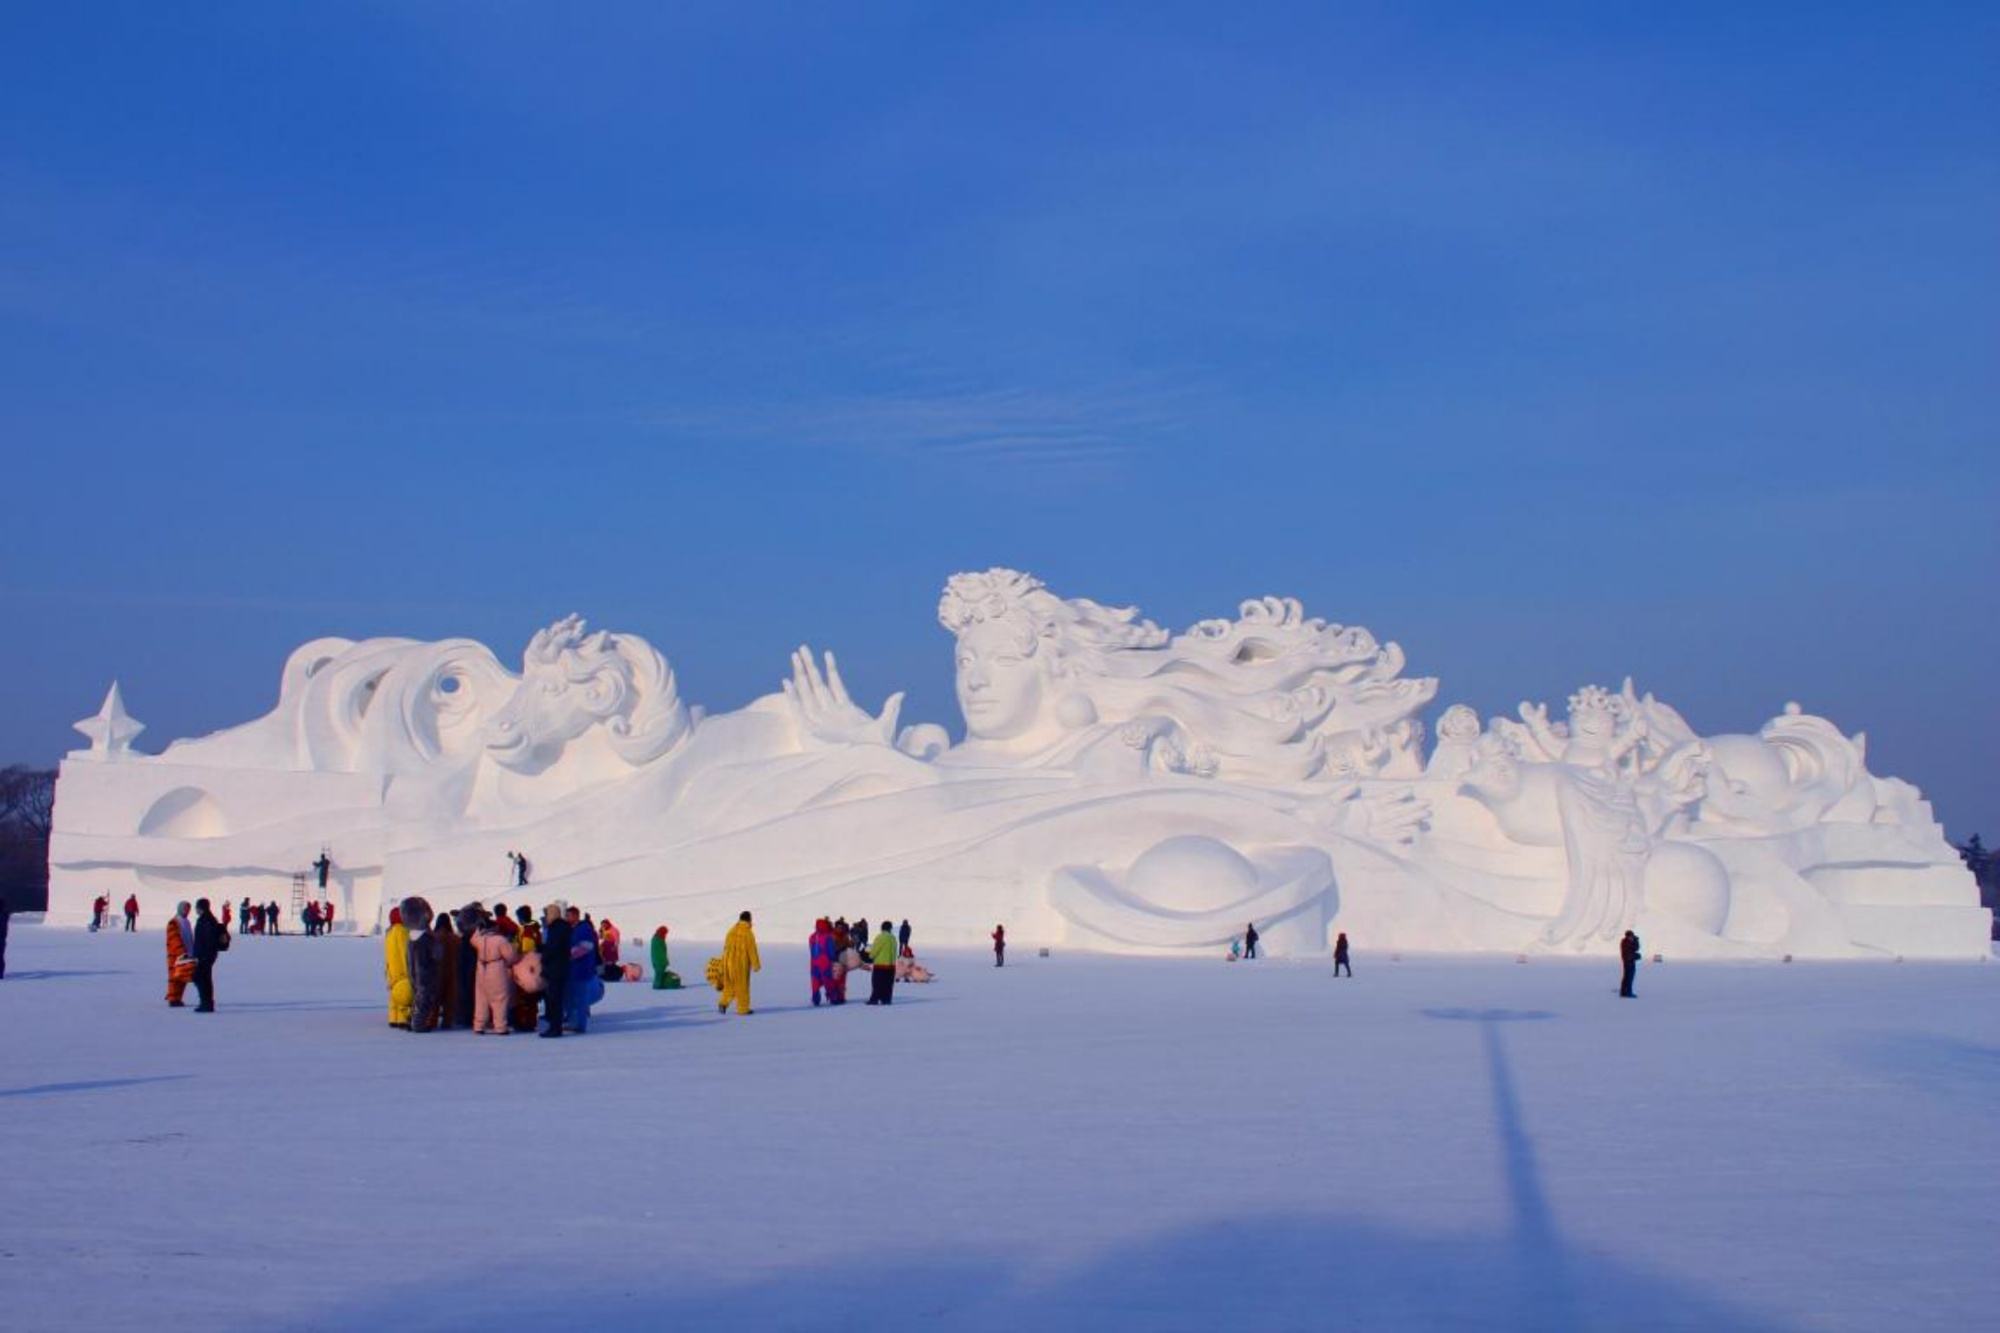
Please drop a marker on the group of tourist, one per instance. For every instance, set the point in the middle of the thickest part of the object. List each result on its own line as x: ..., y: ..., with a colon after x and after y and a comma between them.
x: 100, y: 912
x: 1244, y: 947
x: 260, y: 918
x: 836, y: 949
x: 489, y: 972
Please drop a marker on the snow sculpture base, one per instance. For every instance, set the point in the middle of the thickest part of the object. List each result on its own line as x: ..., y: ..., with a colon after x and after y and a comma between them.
x: 1118, y: 788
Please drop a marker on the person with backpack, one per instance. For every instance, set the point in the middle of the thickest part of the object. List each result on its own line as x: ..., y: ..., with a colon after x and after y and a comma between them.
x: 210, y: 942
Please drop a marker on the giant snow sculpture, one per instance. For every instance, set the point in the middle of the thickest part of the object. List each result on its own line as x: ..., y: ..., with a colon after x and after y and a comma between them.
x: 1118, y: 787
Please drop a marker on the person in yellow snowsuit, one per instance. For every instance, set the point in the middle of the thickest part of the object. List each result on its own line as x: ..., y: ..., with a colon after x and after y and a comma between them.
x: 739, y: 960
x: 396, y: 969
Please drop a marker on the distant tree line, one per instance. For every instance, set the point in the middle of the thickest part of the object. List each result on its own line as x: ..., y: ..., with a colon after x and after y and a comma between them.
x: 27, y: 812
x: 1985, y: 867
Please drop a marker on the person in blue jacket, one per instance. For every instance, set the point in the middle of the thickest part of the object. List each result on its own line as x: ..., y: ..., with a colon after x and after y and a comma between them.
x: 586, y: 987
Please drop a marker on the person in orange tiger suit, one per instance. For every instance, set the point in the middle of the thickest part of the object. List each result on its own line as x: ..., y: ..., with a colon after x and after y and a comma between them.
x: 180, y: 956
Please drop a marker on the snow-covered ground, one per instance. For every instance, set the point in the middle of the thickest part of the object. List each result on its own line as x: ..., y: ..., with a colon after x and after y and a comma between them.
x: 1073, y: 1142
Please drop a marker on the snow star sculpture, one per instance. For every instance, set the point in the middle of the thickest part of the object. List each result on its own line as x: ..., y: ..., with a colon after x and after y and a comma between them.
x: 1117, y: 787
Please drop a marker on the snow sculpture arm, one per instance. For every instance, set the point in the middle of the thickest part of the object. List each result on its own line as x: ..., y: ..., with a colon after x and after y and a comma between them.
x: 824, y: 712
x: 1545, y: 736
x: 1622, y: 744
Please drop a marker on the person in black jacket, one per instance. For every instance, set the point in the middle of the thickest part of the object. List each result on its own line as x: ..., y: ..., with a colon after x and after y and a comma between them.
x: 210, y: 939
x: 6, y: 910
x: 468, y: 965
x: 1340, y: 963
x: 1250, y: 941
x: 1628, y: 954
x: 903, y: 937
x: 555, y: 967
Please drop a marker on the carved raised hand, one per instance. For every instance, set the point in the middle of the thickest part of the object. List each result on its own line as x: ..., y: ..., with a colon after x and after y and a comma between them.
x: 824, y: 711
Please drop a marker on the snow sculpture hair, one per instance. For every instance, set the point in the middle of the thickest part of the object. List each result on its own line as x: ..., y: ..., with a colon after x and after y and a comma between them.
x: 1077, y: 631
x: 1272, y: 694
x: 572, y: 680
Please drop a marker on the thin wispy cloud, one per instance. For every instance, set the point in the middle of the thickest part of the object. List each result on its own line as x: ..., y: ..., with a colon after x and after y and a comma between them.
x: 1100, y: 428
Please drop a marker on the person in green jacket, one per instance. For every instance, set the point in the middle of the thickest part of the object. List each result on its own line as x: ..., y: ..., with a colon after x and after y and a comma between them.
x: 882, y: 976
x: 662, y: 978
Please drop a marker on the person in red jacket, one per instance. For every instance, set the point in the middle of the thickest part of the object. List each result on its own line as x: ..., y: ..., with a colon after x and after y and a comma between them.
x: 131, y: 913
x: 999, y: 946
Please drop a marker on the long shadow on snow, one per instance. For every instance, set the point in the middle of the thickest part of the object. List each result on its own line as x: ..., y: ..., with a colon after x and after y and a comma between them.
x: 88, y: 1085
x: 1946, y: 1067
x: 62, y: 973
x: 1259, y: 1272
x: 1299, y: 1271
x: 700, y: 1014
x: 1539, y: 1256
x: 304, y: 1004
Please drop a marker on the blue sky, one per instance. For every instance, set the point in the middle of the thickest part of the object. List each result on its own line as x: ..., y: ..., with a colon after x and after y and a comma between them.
x: 1555, y: 343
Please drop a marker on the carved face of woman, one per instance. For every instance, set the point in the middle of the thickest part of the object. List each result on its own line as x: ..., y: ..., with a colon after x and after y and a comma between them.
x: 1000, y: 686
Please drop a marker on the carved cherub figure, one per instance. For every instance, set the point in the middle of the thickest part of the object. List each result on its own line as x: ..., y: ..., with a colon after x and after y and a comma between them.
x: 1601, y: 730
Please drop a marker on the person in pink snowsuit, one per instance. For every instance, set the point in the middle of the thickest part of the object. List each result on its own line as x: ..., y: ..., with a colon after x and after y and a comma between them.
x: 493, y: 994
